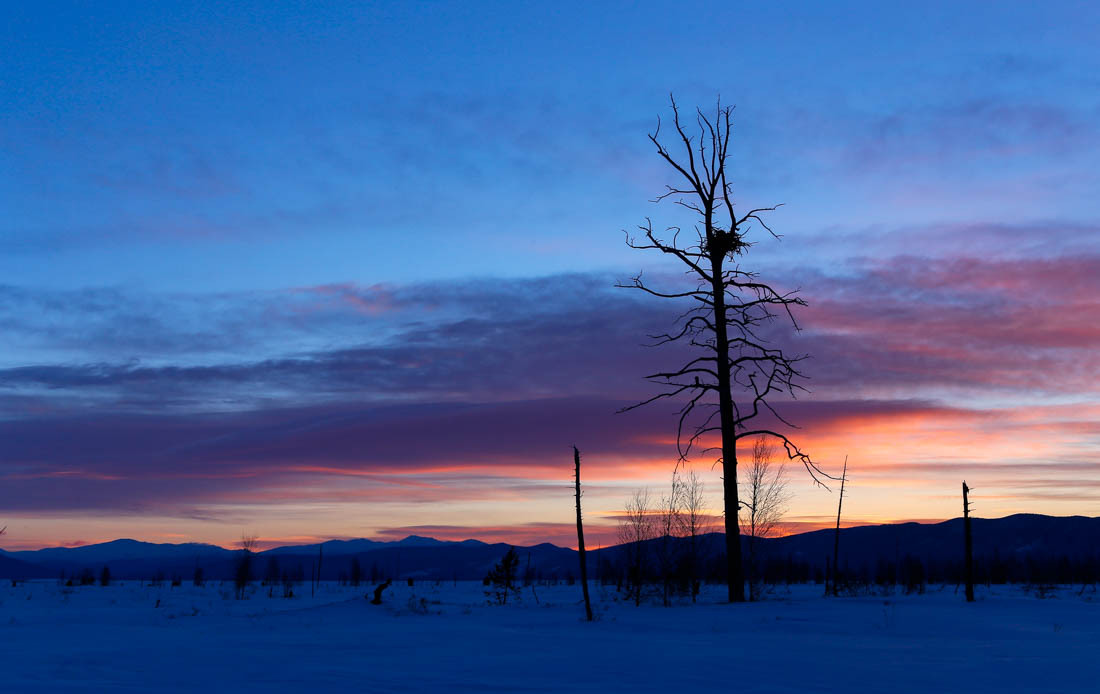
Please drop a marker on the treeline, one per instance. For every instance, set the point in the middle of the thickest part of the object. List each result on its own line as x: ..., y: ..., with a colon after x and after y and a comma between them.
x: 663, y: 569
x: 989, y: 570
x: 640, y: 572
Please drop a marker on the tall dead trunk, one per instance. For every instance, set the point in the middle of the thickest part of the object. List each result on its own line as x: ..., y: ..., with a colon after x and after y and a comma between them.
x: 836, y: 537
x: 969, y: 544
x: 735, y: 578
x: 580, y: 536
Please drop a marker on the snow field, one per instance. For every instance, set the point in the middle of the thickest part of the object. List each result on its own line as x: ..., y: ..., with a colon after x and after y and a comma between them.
x: 446, y: 637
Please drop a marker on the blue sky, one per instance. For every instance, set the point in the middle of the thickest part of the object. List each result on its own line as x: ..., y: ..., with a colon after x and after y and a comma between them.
x: 251, y: 208
x: 250, y: 146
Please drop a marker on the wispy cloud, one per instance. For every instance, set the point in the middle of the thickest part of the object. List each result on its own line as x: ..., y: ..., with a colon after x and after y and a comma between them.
x: 924, y: 367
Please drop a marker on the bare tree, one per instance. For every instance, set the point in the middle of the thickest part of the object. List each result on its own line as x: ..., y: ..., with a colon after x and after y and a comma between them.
x: 764, y: 503
x: 243, y: 575
x: 635, y: 530
x: 695, y: 521
x: 668, y: 523
x: 737, y: 372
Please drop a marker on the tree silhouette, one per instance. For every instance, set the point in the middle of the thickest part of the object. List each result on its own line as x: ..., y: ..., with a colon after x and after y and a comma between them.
x: 636, y: 529
x: 836, y: 536
x: 736, y: 371
x: 243, y: 571
x: 765, y: 502
x: 695, y: 522
x: 580, y: 536
x: 502, y: 577
x: 969, y: 545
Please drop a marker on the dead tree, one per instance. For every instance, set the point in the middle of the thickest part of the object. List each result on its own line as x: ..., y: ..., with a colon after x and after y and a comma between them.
x: 635, y: 532
x: 969, y: 545
x: 737, y: 372
x: 836, y: 535
x: 243, y: 574
x: 765, y: 502
x: 580, y: 536
x: 694, y: 522
x: 667, y: 547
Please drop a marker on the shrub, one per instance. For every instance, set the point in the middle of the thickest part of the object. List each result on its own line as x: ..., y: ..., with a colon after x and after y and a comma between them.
x: 502, y: 577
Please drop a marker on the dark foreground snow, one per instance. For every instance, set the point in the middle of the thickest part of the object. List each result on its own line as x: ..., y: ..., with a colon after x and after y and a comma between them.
x: 446, y: 638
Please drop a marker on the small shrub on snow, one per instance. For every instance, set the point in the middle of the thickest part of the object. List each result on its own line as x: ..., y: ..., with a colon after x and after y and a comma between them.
x: 502, y: 577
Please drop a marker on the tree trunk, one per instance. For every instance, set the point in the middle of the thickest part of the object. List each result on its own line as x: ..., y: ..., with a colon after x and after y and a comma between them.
x: 693, y: 567
x: 378, y: 592
x: 750, y: 572
x: 580, y: 538
x: 735, y: 576
x: 836, y: 537
x: 969, y: 545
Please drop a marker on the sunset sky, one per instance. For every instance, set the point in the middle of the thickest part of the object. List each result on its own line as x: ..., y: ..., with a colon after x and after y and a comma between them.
x: 315, y: 271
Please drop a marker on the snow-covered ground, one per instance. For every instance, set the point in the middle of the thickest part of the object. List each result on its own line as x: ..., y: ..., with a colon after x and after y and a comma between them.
x: 444, y: 638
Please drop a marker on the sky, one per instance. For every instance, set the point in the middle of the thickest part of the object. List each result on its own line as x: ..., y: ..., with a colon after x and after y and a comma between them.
x: 315, y: 270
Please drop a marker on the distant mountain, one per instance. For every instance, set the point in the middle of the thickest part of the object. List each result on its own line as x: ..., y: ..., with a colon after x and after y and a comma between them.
x: 1019, y: 538
x: 331, y: 548
x: 440, y: 561
x: 126, y: 559
x: 119, y: 550
x: 420, y: 541
x: 411, y: 556
x: 334, y: 548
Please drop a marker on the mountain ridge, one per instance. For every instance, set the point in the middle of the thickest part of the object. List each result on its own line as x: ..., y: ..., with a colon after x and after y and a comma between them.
x: 1017, y: 535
